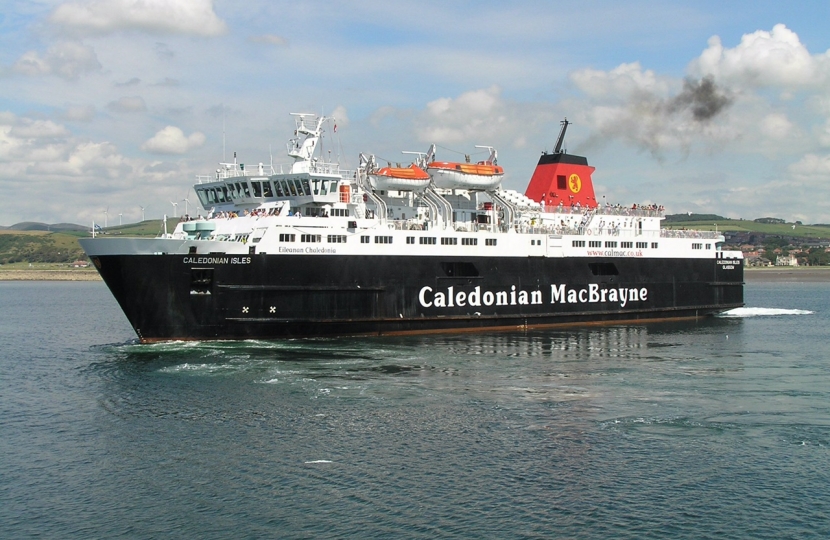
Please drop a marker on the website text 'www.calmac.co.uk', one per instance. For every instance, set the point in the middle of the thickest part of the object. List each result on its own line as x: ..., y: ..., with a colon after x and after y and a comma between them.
x: 615, y: 253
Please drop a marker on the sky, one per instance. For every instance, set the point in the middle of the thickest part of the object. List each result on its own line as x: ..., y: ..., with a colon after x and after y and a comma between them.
x: 108, y: 106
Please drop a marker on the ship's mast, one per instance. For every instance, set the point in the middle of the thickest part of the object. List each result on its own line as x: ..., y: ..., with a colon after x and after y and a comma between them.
x: 302, y: 150
x: 561, y: 139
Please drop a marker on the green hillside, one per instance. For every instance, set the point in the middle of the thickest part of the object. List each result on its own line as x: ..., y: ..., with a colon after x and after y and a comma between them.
x: 740, y: 225
x: 33, y: 243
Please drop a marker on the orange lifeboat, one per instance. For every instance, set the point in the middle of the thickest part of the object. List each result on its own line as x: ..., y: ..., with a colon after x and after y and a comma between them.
x: 412, y: 178
x: 449, y: 175
x: 484, y: 175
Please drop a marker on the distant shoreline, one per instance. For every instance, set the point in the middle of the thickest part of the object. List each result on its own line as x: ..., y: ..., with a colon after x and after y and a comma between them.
x: 785, y: 274
x: 33, y: 274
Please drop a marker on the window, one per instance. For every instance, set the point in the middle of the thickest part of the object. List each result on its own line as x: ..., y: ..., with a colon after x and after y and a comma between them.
x: 336, y: 239
x: 364, y: 239
x: 490, y: 241
x: 708, y: 246
x: 654, y: 245
x: 410, y: 239
x: 469, y: 241
x: 383, y: 239
x: 426, y: 240
x: 594, y: 243
x: 627, y: 244
x: 340, y: 212
x: 449, y: 241
x: 578, y: 243
x: 284, y: 237
x: 310, y: 238
x: 642, y: 245
x: 561, y: 182
x: 696, y: 245
x: 611, y: 243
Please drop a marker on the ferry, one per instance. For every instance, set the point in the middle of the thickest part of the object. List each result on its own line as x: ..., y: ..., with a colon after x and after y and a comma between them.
x: 311, y: 249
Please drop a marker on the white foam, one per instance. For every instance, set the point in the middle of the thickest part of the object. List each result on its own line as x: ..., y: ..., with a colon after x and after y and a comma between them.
x: 317, y: 461
x: 763, y: 312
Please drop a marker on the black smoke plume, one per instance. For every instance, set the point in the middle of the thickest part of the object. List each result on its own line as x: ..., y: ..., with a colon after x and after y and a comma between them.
x: 703, y: 97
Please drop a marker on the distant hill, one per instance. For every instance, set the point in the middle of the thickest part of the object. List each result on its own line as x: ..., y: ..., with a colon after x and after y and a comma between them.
x: 37, y: 226
x: 671, y: 218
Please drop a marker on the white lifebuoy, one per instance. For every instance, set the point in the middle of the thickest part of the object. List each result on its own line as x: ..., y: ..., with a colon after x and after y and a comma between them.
x: 589, y: 232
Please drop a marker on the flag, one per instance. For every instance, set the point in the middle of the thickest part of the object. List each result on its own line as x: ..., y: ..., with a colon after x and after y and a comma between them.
x: 335, y: 128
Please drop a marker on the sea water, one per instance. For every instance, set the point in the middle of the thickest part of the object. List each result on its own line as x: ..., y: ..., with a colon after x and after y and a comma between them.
x: 718, y: 428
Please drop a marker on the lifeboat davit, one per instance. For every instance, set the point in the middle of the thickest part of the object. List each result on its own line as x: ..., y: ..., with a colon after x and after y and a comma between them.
x: 412, y: 178
x: 450, y: 175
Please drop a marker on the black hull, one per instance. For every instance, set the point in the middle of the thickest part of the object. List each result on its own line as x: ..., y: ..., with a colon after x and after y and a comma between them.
x: 181, y: 297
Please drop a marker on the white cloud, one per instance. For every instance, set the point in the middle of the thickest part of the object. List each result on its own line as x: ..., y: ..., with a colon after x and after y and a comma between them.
x: 478, y: 114
x: 621, y: 82
x: 191, y: 17
x: 128, y: 104
x: 812, y: 167
x: 67, y: 60
x: 341, y: 116
x: 776, y: 126
x: 78, y: 113
x: 42, y: 147
x: 762, y: 59
x: 38, y: 129
x: 269, y: 39
x: 172, y: 140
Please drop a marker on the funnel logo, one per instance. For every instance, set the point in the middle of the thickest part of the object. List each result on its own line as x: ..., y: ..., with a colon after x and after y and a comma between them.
x: 575, y: 183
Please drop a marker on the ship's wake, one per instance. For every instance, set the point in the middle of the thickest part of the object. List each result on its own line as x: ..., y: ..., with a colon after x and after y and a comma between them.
x: 745, y: 312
